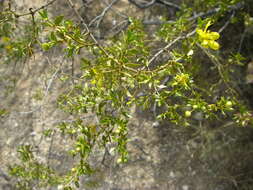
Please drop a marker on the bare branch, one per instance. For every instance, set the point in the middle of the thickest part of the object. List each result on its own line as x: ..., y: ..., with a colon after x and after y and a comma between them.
x: 213, y: 11
x: 100, y: 17
x: 169, y: 45
x: 169, y: 4
x: 196, y: 16
x: 143, y: 6
x: 227, y: 23
x: 120, y: 27
x: 32, y: 12
x: 241, y: 40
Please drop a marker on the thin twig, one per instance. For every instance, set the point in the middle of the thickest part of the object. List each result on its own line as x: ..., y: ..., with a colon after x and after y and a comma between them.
x: 241, y: 40
x: 50, y: 148
x: 124, y: 24
x: 164, y: 49
x: 142, y: 6
x: 169, y: 4
x: 227, y: 22
x: 168, y: 46
x: 218, y: 65
x: 196, y: 16
x: 45, y: 94
x: 31, y: 11
x: 73, y: 70
x: 86, y: 27
x: 117, y: 11
x: 100, y: 17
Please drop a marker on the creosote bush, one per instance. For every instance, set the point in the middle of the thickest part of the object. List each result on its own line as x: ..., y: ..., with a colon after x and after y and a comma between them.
x: 127, y: 71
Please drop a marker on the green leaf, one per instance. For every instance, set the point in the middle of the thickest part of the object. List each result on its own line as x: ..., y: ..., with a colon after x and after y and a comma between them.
x: 43, y: 14
x: 58, y: 20
x: 47, y: 46
x: 53, y: 37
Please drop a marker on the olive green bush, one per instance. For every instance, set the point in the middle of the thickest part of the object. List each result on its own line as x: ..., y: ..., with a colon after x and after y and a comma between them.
x: 173, y: 81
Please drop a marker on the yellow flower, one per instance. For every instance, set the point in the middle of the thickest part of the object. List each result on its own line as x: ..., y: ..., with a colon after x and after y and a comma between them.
x: 208, y: 38
x: 208, y: 35
x: 213, y: 45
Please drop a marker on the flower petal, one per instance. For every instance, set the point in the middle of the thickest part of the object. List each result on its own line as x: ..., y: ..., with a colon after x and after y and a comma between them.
x: 213, y: 45
x: 213, y: 35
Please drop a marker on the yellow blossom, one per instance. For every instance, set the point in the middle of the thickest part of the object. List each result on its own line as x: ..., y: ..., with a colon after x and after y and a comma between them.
x: 208, y: 38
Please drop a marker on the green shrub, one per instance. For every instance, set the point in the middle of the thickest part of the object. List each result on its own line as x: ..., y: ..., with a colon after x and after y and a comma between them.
x: 129, y: 72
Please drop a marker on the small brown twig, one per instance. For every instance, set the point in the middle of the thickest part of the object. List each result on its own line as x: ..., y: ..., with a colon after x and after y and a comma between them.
x: 32, y: 12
